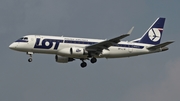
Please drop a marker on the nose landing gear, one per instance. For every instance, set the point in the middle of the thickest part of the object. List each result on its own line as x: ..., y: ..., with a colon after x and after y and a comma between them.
x: 30, y: 60
x: 30, y: 54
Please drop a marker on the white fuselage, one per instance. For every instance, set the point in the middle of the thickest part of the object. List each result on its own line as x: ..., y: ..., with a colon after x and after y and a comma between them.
x: 67, y: 49
x: 53, y: 44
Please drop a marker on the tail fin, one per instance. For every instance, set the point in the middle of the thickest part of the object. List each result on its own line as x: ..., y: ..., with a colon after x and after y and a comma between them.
x: 154, y: 33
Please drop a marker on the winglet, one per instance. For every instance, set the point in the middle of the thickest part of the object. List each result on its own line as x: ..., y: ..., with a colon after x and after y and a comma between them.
x: 130, y: 31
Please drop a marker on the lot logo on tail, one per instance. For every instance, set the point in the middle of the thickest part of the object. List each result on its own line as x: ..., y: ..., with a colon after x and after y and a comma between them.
x: 154, y: 34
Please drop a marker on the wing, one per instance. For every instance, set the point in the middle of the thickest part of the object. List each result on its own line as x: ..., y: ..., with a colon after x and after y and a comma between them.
x: 107, y: 43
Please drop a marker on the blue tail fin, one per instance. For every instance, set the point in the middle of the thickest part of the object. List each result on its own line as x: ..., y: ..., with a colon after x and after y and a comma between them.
x: 154, y: 33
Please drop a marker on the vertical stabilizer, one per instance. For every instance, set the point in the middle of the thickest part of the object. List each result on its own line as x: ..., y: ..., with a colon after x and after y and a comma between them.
x: 154, y: 33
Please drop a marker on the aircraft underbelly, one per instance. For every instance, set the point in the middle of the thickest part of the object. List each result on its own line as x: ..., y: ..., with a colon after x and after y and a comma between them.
x: 126, y: 53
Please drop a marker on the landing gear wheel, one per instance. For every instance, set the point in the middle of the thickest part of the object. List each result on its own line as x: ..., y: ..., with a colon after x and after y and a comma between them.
x: 30, y: 60
x: 93, y: 60
x: 83, y: 64
x: 30, y: 54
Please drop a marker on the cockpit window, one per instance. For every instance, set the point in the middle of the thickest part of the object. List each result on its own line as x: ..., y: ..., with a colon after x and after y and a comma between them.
x: 23, y: 39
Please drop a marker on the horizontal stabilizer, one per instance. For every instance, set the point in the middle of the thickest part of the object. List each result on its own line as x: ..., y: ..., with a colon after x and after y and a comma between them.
x: 160, y: 45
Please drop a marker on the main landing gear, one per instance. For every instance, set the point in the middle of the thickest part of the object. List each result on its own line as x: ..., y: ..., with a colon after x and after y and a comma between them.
x: 93, y: 60
x: 30, y: 54
x: 84, y: 64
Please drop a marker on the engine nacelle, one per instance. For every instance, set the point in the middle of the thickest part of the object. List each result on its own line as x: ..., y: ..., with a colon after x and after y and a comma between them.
x: 73, y: 51
x: 78, y: 51
x: 61, y: 59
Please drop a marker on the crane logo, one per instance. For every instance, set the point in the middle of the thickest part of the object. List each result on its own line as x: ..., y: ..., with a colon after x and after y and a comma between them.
x: 155, y: 34
x: 78, y: 50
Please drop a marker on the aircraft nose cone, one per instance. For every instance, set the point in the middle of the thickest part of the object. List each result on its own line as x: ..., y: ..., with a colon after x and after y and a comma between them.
x: 12, y: 46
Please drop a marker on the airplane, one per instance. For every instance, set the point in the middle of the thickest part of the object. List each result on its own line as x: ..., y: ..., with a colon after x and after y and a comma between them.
x: 68, y: 49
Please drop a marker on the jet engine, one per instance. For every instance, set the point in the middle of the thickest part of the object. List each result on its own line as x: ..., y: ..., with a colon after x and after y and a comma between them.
x: 72, y: 51
x: 61, y: 59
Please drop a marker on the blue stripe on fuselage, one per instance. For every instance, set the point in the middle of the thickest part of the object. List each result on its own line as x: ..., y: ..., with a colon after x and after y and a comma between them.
x: 48, y: 43
x: 91, y: 43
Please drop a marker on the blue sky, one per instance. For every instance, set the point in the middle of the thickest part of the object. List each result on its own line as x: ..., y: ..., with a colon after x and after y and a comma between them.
x: 152, y: 77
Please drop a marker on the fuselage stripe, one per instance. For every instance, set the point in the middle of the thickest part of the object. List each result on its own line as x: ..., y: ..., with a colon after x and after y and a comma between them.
x: 91, y: 43
x: 42, y: 44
